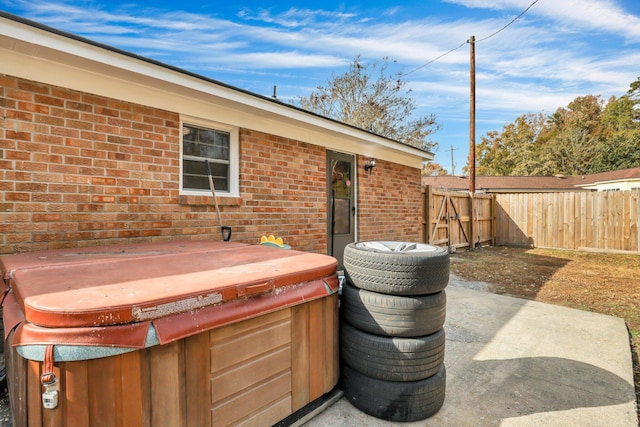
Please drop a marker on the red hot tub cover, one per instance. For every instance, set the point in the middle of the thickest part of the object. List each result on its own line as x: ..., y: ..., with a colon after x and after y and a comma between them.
x: 72, y: 296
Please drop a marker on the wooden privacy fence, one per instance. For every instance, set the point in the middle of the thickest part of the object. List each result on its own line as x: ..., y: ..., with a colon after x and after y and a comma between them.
x: 456, y: 219
x: 603, y: 221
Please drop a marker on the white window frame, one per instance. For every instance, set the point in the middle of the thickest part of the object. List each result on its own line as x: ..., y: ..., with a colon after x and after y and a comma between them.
x: 234, y: 157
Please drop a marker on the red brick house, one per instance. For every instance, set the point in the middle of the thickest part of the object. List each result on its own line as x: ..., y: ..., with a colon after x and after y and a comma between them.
x: 100, y: 146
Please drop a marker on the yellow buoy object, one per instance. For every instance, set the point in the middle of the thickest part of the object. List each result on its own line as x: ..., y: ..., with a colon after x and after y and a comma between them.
x: 271, y: 240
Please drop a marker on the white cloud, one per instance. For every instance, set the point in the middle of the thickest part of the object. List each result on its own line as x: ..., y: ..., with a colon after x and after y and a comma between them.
x: 600, y: 15
x: 557, y: 51
x: 294, y: 17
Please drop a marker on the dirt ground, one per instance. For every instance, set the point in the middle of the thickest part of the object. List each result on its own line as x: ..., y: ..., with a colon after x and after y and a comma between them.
x: 603, y: 283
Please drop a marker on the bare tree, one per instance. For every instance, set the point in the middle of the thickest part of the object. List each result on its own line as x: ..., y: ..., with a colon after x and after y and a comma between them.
x: 366, y: 96
x: 433, y: 169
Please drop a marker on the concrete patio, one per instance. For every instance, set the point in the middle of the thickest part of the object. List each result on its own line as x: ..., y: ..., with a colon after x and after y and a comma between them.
x: 513, y: 362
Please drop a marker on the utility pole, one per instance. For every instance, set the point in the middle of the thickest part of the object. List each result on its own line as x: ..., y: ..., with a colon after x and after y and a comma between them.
x: 453, y: 166
x: 472, y: 143
x: 472, y: 117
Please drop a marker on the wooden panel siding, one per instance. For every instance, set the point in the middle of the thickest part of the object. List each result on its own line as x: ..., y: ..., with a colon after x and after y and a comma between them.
x: 254, y: 372
x: 251, y: 370
x: 605, y: 221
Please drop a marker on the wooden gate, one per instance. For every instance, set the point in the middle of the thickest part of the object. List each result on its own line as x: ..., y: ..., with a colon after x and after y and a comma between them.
x: 456, y: 219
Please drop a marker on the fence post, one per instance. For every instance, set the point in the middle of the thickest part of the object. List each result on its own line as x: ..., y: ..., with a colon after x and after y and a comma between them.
x: 472, y: 223
x: 427, y: 214
x: 494, y: 219
x: 423, y: 214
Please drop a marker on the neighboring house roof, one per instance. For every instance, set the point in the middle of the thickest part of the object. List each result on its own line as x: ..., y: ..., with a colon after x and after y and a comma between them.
x: 624, y: 179
x: 34, y: 51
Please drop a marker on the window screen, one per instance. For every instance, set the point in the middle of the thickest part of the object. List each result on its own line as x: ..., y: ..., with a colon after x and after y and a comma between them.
x: 199, y: 145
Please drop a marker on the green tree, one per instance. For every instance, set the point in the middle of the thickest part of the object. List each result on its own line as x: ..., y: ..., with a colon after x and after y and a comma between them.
x: 634, y: 91
x: 620, y: 151
x: 619, y: 148
x: 572, y: 136
x: 586, y: 136
x: 634, y: 95
x: 369, y: 97
x: 514, y: 151
x: 573, y: 151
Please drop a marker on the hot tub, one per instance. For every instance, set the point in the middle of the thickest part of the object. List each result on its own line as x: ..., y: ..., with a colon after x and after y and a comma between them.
x: 189, y: 333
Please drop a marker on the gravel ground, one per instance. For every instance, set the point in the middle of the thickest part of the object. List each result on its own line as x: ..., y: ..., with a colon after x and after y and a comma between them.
x: 5, y: 412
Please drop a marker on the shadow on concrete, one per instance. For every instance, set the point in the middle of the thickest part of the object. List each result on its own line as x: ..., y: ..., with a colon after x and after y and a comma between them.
x: 531, y: 385
x: 509, y: 358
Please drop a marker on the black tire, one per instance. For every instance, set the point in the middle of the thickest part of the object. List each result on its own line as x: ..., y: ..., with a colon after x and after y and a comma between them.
x: 392, y: 358
x: 399, y: 401
x: 391, y: 315
x: 397, y: 268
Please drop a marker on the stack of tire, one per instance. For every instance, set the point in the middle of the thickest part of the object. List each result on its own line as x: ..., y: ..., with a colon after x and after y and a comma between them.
x: 391, y: 333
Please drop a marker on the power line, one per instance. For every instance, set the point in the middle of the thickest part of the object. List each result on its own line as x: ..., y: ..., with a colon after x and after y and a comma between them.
x: 512, y: 21
x: 435, y: 59
x: 477, y: 41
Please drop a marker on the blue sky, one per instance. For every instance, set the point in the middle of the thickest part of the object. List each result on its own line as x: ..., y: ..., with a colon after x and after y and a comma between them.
x: 558, y: 50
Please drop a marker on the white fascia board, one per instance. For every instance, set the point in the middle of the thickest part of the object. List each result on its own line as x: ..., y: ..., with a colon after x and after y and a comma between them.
x: 30, y: 52
x: 619, y: 184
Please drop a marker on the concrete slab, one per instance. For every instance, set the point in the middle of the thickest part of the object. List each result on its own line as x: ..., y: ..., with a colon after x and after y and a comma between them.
x: 513, y: 362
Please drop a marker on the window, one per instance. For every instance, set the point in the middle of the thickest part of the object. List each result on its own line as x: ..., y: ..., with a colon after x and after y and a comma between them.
x: 217, y: 145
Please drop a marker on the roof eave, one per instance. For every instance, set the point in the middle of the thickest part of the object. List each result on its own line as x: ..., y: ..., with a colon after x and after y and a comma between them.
x: 38, y: 39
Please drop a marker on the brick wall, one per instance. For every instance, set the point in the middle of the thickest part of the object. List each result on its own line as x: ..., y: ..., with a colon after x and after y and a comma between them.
x: 78, y: 170
x: 283, y: 190
x: 389, y: 202
x: 82, y: 170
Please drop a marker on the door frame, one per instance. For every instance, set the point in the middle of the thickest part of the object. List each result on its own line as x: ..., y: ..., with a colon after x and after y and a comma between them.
x: 352, y: 159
